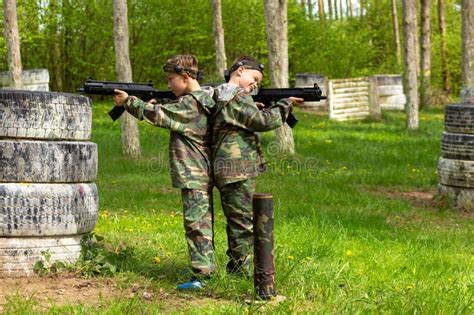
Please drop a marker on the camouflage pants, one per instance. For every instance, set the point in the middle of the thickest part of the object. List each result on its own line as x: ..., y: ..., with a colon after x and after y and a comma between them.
x: 236, y: 199
x: 198, y: 224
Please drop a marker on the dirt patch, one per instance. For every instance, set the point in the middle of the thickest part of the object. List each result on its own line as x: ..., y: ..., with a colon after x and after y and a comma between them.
x: 69, y: 290
x: 59, y: 291
x: 428, y: 200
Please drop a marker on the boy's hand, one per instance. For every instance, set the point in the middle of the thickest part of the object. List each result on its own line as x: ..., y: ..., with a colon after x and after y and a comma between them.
x: 260, y: 105
x: 296, y: 101
x: 120, y: 97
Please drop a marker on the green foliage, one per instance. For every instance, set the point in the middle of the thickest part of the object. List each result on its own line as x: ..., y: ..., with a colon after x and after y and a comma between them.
x: 99, y: 258
x: 74, y: 39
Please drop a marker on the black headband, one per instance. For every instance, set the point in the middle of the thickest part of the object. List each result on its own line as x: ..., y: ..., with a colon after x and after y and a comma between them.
x: 247, y: 64
x: 173, y: 67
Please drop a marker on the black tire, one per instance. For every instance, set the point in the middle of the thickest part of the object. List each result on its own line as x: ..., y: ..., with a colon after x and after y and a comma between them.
x: 19, y: 255
x: 44, y: 115
x: 457, y: 146
x: 47, y: 209
x: 47, y: 161
x: 456, y: 173
x: 459, y: 118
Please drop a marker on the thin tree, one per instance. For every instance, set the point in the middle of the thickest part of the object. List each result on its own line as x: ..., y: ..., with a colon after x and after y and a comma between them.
x: 12, y: 38
x: 425, y: 88
x: 341, y: 11
x: 468, y: 47
x: 130, y: 133
x: 349, y: 6
x: 336, y: 11
x: 221, y: 60
x: 276, y: 20
x: 309, y: 7
x: 320, y: 10
x: 410, y: 74
x: 330, y: 9
x: 444, y: 49
x: 396, y: 31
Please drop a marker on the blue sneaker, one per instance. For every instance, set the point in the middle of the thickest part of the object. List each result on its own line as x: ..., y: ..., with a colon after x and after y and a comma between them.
x: 193, y: 284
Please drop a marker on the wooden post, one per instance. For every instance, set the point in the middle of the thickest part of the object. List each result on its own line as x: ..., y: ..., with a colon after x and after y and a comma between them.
x: 374, y: 104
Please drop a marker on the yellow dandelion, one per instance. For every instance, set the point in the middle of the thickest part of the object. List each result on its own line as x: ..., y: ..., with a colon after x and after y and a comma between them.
x: 328, y: 141
x: 349, y: 253
x: 156, y: 260
x: 291, y: 257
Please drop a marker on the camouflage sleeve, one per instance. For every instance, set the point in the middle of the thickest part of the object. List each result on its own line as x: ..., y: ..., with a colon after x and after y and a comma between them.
x: 172, y: 115
x: 284, y: 105
x: 244, y: 113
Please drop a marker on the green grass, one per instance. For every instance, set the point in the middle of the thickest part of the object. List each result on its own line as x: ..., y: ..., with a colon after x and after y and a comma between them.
x: 343, y: 244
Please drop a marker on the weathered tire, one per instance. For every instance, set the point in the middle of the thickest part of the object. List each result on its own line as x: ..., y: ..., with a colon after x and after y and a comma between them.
x: 461, y: 198
x: 456, y: 173
x: 459, y: 118
x: 47, y: 209
x: 44, y: 115
x: 19, y: 255
x: 47, y: 161
x: 457, y: 146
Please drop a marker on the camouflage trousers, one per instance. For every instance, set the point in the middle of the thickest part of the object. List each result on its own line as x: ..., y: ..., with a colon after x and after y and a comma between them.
x: 198, y: 224
x: 236, y: 199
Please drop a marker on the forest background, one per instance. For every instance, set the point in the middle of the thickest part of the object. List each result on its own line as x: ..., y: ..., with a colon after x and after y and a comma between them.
x: 74, y: 39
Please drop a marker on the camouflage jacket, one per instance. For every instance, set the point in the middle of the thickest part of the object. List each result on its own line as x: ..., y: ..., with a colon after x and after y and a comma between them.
x: 235, y: 145
x: 187, y: 118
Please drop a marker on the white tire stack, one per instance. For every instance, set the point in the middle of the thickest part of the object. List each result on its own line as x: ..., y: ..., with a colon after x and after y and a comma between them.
x: 47, y: 168
x: 456, y: 165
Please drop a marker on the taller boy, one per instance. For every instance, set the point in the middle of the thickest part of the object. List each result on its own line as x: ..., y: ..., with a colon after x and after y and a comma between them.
x: 235, y: 144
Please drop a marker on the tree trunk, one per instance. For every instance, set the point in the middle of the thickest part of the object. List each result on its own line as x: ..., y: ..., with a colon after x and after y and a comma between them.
x: 12, y: 39
x: 221, y: 62
x: 444, y: 49
x: 336, y: 11
x: 310, y: 8
x: 349, y: 6
x: 396, y: 31
x: 409, y: 45
x: 277, y: 41
x: 425, y: 54
x: 330, y: 9
x: 321, y: 11
x: 130, y: 133
x: 341, y: 11
x: 468, y: 44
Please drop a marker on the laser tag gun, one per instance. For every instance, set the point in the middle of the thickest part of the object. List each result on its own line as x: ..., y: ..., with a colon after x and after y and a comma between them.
x: 144, y: 91
x: 267, y: 96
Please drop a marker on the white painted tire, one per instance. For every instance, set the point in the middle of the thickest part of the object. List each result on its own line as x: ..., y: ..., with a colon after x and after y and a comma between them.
x: 461, y: 198
x: 456, y: 173
x: 459, y: 118
x: 44, y: 115
x: 47, y: 161
x: 18, y: 256
x: 47, y: 209
x: 457, y: 146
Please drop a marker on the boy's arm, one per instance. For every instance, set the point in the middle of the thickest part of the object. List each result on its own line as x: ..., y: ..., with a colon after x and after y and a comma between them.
x: 244, y: 113
x: 171, y: 116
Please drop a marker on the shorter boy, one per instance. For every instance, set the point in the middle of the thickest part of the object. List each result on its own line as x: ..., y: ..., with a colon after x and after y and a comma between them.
x: 189, y: 154
x: 235, y: 152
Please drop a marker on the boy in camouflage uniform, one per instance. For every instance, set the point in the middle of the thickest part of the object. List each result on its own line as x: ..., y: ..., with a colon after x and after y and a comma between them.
x: 189, y: 149
x: 236, y: 150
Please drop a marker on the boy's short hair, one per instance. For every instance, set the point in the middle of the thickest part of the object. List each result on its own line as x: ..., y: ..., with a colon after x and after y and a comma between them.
x: 183, y: 64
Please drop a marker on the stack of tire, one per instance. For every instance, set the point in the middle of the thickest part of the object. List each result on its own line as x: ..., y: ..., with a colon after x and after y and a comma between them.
x: 47, y: 168
x: 456, y: 165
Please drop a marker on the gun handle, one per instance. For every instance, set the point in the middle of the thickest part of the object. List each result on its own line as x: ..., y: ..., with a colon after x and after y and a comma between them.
x: 291, y: 120
x: 116, y: 112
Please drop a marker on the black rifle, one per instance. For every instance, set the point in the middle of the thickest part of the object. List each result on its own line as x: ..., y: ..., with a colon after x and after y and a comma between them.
x: 146, y: 92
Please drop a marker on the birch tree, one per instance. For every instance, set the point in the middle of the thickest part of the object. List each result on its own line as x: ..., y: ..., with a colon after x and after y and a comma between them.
x: 425, y: 89
x: 221, y: 60
x: 130, y: 133
x: 409, y: 48
x: 444, y: 49
x: 321, y: 10
x: 12, y: 38
x: 396, y: 31
x: 277, y: 42
x: 468, y: 51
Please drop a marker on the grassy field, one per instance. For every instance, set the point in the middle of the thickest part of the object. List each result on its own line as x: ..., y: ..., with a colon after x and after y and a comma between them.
x: 356, y: 228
